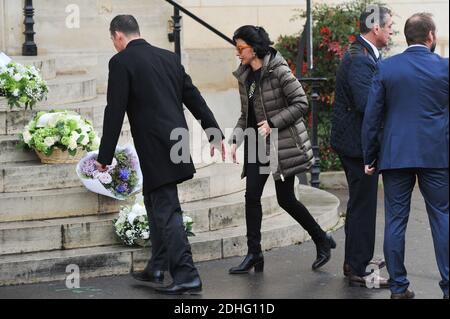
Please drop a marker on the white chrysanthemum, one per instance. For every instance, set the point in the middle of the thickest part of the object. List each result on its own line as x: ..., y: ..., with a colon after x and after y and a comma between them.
x: 26, y: 136
x: 187, y: 219
x: 17, y: 77
x: 49, y: 141
x: 145, y: 235
x: 73, y: 145
x: 16, y: 92
x: 129, y: 233
x: 73, y: 140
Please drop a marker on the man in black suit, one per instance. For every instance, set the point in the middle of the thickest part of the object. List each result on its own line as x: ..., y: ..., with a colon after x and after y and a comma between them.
x: 353, y: 81
x: 150, y: 85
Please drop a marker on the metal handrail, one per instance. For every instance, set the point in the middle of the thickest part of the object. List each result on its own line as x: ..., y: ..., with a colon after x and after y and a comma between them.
x: 202, y: 22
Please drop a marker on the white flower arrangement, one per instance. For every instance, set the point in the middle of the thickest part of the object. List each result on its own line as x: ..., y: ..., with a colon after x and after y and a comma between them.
x: 132, y: 225
x: 22, y: 86
x: 65, y: 130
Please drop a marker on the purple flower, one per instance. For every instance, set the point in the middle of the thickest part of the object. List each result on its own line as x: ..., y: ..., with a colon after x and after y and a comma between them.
x: 124, y: 174
x: 121, y: 188
x: 88, y: 167
x: 134, y: 162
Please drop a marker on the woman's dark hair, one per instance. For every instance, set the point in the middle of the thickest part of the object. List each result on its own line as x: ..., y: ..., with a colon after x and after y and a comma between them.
x: 256, y: 37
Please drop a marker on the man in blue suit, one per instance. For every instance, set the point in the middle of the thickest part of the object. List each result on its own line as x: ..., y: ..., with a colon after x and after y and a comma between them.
x: 409, y: 98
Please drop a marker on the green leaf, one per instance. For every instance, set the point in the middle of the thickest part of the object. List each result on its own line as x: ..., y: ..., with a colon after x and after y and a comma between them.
x: 49, y: 152
x: 72, y: 152
x: 80, y: 139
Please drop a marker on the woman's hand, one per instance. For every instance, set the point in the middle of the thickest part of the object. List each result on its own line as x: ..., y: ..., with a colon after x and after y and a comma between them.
x: 264, y: 129
x: 220, y: 148
x: 233, y: 153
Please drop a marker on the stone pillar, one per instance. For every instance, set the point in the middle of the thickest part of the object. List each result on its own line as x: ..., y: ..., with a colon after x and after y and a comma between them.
x: 2, y: 26
x: 12, y: 26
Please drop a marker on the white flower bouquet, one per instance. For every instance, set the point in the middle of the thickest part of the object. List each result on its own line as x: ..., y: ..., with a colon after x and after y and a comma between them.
x: 122, y: 179
x: 132, y: 225
x: 64, y: 131
x: 22, y: 86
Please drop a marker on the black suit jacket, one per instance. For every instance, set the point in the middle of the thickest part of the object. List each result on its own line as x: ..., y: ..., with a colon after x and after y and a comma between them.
x: 353, y: 81
x: 150, y: 85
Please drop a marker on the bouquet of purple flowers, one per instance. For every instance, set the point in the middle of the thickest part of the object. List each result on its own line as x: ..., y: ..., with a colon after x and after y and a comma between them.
x: 122, y: 179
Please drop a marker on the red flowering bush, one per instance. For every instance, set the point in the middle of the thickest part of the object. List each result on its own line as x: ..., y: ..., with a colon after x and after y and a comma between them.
x: 335, y: 28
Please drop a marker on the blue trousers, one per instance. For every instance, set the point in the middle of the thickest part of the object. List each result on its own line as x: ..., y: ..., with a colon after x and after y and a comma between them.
x: 398, y: 187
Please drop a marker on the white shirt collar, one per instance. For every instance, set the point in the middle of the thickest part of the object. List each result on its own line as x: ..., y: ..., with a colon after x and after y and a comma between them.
x: 374, y: 48
x: 418, y: 45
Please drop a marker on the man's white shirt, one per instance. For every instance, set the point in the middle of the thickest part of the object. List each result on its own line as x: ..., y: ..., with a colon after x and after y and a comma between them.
x: 374, y: 48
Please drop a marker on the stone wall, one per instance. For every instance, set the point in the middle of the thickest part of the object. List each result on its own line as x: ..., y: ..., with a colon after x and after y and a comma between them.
x: 55, y: 35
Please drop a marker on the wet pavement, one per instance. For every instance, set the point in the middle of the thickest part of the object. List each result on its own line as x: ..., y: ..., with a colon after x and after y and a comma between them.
x: 287, y: 273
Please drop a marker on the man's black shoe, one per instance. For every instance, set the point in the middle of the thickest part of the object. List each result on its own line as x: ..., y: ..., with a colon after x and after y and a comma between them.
x: 156, y: 276
x: 192, y: 288
x: 408, y: 294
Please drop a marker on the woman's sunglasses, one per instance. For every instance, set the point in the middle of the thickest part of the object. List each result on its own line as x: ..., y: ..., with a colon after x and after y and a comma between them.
x: 241, y: 48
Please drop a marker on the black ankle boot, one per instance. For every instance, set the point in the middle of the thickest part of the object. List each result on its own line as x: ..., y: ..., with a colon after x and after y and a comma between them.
x: 323, y: 251
x: 250, y: 261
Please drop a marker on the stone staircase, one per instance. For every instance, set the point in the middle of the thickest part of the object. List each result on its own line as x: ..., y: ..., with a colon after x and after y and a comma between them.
x: 49, y: 221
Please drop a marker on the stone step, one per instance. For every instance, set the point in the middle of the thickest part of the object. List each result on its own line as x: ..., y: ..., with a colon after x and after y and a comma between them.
x: 13, y: 121
x: 46, y: 64
x: 77, y: 201
x: 39, y: 205
x: 34, y: 176
x: 81, y: 232
x: 277, y: 231
x: 67, y: 89
x: 71, y: 89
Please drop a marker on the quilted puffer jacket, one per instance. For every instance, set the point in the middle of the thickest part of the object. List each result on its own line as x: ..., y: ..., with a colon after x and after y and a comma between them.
x: 280, y: 98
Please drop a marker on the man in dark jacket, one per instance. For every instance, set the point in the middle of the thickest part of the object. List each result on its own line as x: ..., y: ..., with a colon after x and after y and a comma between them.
x: 352, y: 87
x: 150, y: 85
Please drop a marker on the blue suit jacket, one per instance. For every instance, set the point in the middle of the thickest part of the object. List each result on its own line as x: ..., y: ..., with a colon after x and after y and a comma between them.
x: 409, y: 98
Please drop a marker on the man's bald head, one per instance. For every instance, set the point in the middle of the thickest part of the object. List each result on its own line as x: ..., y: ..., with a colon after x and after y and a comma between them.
x: 418, y: 28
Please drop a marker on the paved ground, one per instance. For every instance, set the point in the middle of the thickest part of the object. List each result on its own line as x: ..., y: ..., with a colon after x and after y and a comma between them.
x: 287, y: 275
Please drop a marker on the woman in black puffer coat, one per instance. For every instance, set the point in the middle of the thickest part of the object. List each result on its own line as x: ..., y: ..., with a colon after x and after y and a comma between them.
x: 273, y: 107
